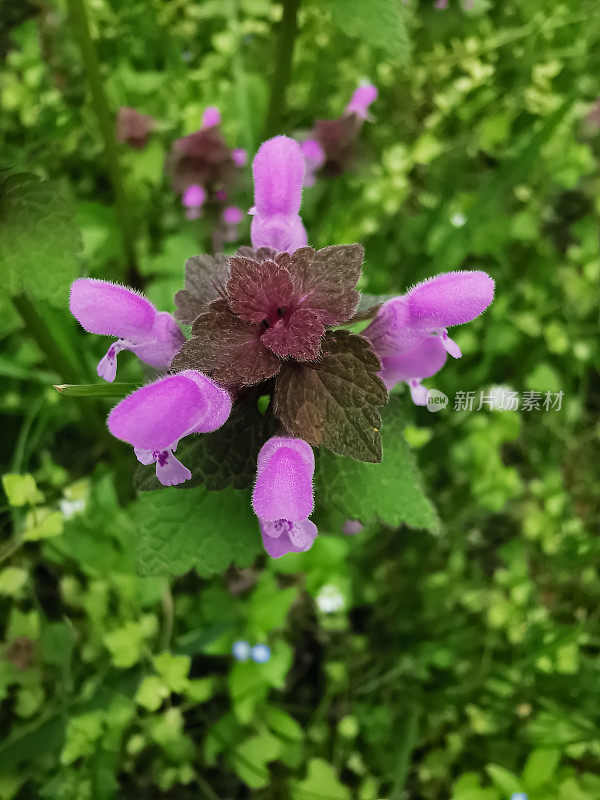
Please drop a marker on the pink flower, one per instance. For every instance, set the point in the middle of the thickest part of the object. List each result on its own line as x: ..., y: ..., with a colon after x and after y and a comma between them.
x: 193, y: 199
x: 112, y: 310
x: 211, y: 117
x: 360, y: 101
x: 239, y: 156
x: 155, y: 417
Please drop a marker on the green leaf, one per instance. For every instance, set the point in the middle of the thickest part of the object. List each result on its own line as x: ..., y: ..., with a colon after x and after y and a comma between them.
x: 504, y: 779
x: 334, y: 401
x: 540, y: 768
x: 321, y: 782
x: 21, y: 490
x: 391, y: 491
x: 95, y: 389
x: 379, y: 23
x: 226, y: 457
x: 178, y: 531
x: 39, y: 238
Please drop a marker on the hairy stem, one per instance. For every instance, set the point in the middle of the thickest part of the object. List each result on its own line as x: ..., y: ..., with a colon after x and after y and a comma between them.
x: 91, y: 68
x: 283, y: 66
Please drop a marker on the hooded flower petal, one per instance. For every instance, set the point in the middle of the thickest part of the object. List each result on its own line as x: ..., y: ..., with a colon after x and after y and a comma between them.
x: 451, y: 298
x: 361, y: 100
x: 282, y: 536
x: 283, y: 488
x: 112, y: 310
x: 278, y: 171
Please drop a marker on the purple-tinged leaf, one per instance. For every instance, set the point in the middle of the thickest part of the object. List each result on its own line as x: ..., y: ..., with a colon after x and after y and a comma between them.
x: 227, y: 348
x: 204, y: 277
x: 334, y: 401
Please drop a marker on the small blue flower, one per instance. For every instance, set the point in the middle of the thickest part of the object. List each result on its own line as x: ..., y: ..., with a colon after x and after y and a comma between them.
x: 261, y: 653
x: 241, y: 650
x: 519, y: 796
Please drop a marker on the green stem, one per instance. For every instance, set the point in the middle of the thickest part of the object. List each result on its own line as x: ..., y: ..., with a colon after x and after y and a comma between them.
x: 283, y: 66
x: 56, y: 355
x: 106, y: 123
x: 95, y: 389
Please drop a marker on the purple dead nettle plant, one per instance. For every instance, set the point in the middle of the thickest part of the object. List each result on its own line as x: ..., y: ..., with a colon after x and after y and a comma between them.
x: 201, y: 165
x: 268, y: 373
x: 331, y: 145
x: 133, y: 127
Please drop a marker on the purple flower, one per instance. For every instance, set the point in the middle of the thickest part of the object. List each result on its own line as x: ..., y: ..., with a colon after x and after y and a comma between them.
x: 278, y: 170
x: 283, y: 495
x: 430, y: 307
x: 211, y: 117
x: 193, y: 199
x: 232, y: 215
x: 314, y: 158
x: 441, y: 4
x: 112, y: 310
x: 410, y: 333
x: 155, y: 417
x: 360, y: 101
x: 337, y: 137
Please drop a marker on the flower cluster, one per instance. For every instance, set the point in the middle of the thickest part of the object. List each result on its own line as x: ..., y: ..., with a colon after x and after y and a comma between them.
x: 202, y: 166
x: 330, y: 146
x: 264, y: 325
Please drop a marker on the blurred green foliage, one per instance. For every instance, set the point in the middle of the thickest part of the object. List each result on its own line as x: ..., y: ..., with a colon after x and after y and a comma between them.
x: 458, y: 663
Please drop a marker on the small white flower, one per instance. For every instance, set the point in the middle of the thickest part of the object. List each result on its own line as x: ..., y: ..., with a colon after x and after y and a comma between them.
x: 71, y: 507
x: 330, y: 599
x: 241, y: 650
x: 261, y: 653
x: 458, y: 220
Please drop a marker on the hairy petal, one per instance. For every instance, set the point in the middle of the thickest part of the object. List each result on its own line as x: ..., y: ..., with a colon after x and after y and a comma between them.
x: 283, y: 488
x: 278, y: 170
x: 452, y: 298
x: 111, y: 310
